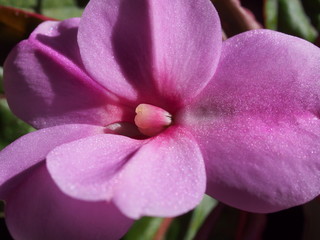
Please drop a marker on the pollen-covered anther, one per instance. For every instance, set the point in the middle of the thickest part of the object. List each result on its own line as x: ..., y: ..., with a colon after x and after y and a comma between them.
x: 151, y: 120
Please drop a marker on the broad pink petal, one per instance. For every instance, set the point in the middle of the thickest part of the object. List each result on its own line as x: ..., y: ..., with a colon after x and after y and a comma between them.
x: 138, y: 49
x: 38, y: 210
x: 163, y: 176
x: 90, y: 170
x: 186, y: 46
x: 257, y: 122
x: 33, y: 148
x: 46, y: 85
x: 166, y: 177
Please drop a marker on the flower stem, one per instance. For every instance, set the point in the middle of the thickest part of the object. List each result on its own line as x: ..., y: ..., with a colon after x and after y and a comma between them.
x: 160, y: 234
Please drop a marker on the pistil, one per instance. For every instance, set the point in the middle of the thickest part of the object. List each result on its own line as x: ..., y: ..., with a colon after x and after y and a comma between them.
x: 151, y: 120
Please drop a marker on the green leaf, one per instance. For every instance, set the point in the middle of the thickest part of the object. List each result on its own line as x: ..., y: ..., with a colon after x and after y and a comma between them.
x: 271, y: 14
x: 56, y: 9
x: 31, y: 3
x: 288, y: 16
x: 294, y: 20
x: 143, y: 229
x: 10, y: 126
x: 199, y: 215
x: 312, y: 8
x: 63, y: 12
x: 19, y: 3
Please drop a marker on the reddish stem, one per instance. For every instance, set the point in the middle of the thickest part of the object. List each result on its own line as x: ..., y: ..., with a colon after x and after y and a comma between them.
x: 235, y: 18
x: 160, y: 234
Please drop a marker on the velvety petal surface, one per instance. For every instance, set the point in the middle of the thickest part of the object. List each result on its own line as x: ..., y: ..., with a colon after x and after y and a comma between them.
x: 136, y: 49
x: 186, y: 46
x: 33, y: 148
x: 38, y: 210
x: 257, y: 122
x: 91, y: 168
x: 46, y: 85
x: 166, y: 177
x: 162, y: 176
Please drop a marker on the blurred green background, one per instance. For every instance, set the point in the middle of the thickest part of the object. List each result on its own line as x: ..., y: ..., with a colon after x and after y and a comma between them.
x: 58, y: 9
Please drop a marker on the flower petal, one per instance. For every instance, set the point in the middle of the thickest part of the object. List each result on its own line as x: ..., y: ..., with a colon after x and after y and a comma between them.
x: 163, y: 176
x: 46, y: 85
x: 38, y: 210
x: 186, y: 46
x: 257, y: 122
x: 90, y: 170
x: 262, y: 167
x: 32, y: 148
x: 166, y: 177
x: 136, y: 49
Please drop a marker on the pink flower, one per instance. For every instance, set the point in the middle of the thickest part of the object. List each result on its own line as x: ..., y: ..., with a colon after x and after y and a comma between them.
x: 142, y: 108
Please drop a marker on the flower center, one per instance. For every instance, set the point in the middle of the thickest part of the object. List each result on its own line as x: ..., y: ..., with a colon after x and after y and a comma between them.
x: 151, y: 120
